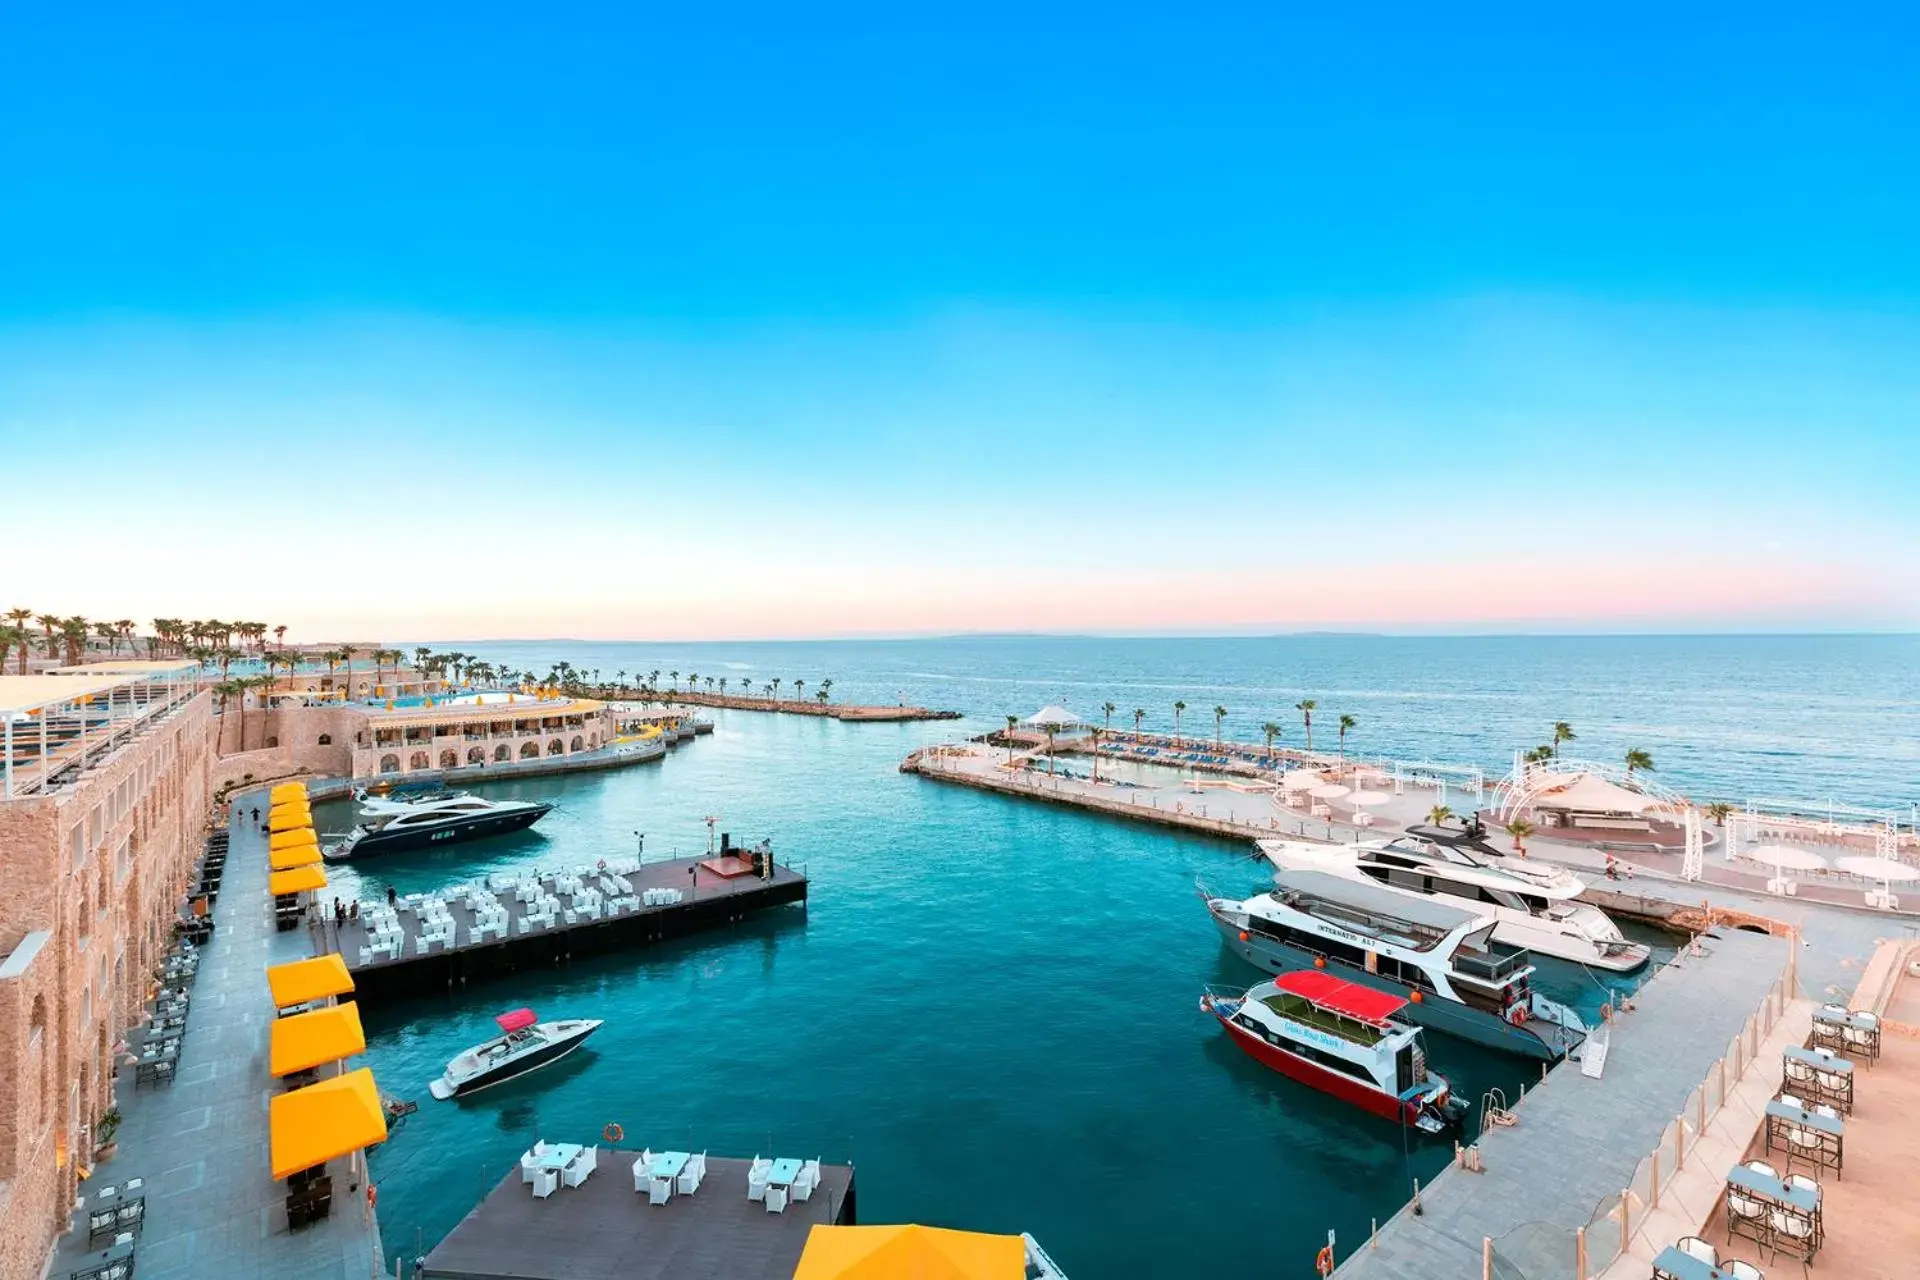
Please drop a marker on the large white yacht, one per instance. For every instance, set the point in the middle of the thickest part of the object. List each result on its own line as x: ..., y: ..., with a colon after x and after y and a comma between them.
x: 1533, y: 906
x: 1442, y: 960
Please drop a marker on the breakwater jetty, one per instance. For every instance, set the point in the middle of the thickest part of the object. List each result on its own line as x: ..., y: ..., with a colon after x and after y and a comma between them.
x: 509, y: 922
x: 789, y: 706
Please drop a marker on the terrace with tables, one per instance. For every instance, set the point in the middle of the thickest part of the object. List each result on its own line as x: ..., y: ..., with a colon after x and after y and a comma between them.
x: 56, y: 725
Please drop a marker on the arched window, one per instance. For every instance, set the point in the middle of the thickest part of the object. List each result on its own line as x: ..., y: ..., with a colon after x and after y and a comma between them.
x: 476, y: 755
x: 448, y: 759
x: 556, y: 747
x: 418, y: 760
x: 389, y: 764
x: 503, y: 752
x: 325, y: 740
x: 579, y: 743
x: 529, y: 751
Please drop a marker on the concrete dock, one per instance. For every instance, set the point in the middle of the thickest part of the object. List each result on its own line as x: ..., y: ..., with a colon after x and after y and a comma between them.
x: 1577, y: 1141
x: 788, y: 706
x: 429, y: 942
x: 603, y: 1229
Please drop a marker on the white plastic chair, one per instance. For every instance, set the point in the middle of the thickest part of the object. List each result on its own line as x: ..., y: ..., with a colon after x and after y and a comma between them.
x: 577, y: 1172
x: 691, y: 1175
x: 809, y: 1178
x: 642, y: 1169
x: 528, y: 1168
x: 757, y: 1178
x: 544, y: 1182
x: 776, y: 1198
x: 659, y: 1190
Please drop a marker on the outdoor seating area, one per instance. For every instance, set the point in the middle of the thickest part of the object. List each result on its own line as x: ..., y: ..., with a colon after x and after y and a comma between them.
x: 154, y: 1052
x: 778, y: 1183
x: 1692, y: 1258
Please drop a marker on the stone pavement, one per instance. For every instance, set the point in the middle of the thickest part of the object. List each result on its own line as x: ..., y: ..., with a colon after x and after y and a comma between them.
x: 213, y: 1208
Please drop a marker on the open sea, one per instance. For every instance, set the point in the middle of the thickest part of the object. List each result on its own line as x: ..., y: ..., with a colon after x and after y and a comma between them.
x: 990, y: 1007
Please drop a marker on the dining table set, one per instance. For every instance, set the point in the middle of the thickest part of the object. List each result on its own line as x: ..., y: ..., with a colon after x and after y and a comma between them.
x: 663, y: 1174
x: 156, y: 1050
x: 114, y: 1214
x: 550, y: 1166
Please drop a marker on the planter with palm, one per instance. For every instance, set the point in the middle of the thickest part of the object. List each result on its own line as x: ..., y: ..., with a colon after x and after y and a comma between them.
x: 1520, y: 829
x: 1439, y: 814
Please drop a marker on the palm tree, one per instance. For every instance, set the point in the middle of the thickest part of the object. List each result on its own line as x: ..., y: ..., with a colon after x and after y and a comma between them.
x: 1096, y: 734
x: 1178, y: 707
x: 1540, y: 754
x: 1050, y: 732
x: 1108, y: 708
x: 1346, y: 723
x: 1439, y: 814
x: 723, y: 687
x: 280, y: 635
x: 1272, y: 731
x: 126, y: 633
x: 1219, y: 714
x: 820, y: 696
x: 110, y: 633
x: 49, y: 623
x: 225, y: 691
x: 1720, y: 811
x: 1520, y: 829
x: 10, y: 636
x: 1305, y: 707
x: 826, y: 686
x: 1638, y: 759
x: 674, y: 676
x: 799, y: 689
x: 73, y: 638
x: 1139, y: 714
x: 346, y: 655
x: 776, y: 688
x: 1011, y: 722
x: 1562, y: 732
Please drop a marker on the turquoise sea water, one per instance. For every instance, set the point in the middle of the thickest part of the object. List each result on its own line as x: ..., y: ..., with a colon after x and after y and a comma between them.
x: 989, y: 1006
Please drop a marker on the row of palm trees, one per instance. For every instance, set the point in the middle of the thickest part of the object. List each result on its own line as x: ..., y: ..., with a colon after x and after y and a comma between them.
x: 68, y: 638
x: 1636, y: 760
x: 1271, y: 730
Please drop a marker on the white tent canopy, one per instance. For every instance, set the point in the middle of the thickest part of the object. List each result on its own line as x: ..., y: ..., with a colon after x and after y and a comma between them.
x: 1361, y: 799
x: 1301, y: 780
x: 1885, y: 870
x: 1054, y: 718
x: 1329, y: 790
x: 1591, y: 793
x: 1785, y: 857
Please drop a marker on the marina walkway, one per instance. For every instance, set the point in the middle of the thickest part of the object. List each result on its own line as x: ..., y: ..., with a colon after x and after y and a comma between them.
x: 1578, y: 1140
x: 200, y: 1144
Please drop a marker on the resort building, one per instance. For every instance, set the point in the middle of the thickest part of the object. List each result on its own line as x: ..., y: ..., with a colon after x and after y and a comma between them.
x: 103, y: 794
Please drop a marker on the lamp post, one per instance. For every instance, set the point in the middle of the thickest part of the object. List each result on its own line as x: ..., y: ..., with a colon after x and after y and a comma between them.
x: 641, y: 837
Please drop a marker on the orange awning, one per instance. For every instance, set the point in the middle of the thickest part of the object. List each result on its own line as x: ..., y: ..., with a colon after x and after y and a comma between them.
x: 309, y: 1039
x: 294, y: 855
x: 286, y: 839
x: 324, y: 1121
x: 925, y: 1253
x: 302, y: 980
x: 298, y: 880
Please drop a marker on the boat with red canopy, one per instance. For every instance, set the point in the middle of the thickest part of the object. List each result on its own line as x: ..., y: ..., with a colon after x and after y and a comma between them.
x: 1341, y: 1038
x: 525, y: 1044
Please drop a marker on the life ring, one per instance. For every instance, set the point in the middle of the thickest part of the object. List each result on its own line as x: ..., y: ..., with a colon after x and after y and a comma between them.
x: 602, y: 864
x: 1324, y: 1263
x: 613, y: 1132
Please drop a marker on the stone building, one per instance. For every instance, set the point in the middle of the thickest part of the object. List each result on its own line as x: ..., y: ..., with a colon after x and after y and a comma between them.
x: 103, y: 806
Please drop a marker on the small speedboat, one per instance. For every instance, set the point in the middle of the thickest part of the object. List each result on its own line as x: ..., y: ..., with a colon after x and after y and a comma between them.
x: 526, y: 1044
x: 1340, y: 1038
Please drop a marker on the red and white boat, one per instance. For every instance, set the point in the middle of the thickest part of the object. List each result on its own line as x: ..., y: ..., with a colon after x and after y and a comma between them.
x: 1341, y: 1038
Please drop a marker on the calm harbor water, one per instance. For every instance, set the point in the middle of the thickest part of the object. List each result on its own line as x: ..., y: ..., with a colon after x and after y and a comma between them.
x: 990, y: 1006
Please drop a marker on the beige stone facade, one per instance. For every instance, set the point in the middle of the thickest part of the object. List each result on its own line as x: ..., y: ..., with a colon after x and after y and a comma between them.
x: 93, y: 864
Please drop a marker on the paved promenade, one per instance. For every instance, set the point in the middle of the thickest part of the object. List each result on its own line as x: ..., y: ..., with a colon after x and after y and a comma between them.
x: 1578, y: 1140
x: 213, y: 1208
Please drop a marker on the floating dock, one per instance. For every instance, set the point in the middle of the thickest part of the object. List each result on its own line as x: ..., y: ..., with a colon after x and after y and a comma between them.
x: 603, y: 1229
x: 430, y: 942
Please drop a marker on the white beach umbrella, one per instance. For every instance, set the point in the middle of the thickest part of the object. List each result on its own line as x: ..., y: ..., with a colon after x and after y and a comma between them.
x: 1885, y: 870
x: 1785, y: 857
x: 1361, y: 799
x: 1329, y: 790
x: 1301, y: 780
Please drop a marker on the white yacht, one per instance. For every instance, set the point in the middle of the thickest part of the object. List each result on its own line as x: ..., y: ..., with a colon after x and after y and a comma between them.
x: 1440, y: 959
x: 1533, y: 906
x: 393, y: 825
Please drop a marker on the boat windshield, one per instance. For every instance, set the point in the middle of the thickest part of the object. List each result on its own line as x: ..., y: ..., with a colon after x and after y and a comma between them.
x: 1299, y: 1009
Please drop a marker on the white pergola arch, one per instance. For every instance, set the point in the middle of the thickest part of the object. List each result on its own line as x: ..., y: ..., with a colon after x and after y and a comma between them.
x: 1532, y: 779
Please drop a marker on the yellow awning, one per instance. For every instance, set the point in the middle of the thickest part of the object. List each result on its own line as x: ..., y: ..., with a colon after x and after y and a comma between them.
x: 284, y: 821
x: 286, y: 791
x: 285, y: 839
x: 292, y: 808
x: 294, y: 855
x: 925, y: 1253
x: 302, y: 980
x: 324, y: 1121
x: 309, y: 1039
x: 298, y: 880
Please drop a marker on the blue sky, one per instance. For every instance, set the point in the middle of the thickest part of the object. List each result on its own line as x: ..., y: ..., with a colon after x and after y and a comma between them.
x: 1518, y: 305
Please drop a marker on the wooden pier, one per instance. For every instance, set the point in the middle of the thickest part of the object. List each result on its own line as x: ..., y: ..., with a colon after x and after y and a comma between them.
x: 469, y: 933
x: 785, y: 706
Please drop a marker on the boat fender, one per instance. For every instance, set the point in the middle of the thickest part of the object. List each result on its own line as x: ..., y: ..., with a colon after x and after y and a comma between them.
x: 1319, y: 962
x: 613, y: 1132
x: 1418, y: 996
x: 1243, y: 935
x: 1324, y: 1263
x: 1518, y: 1015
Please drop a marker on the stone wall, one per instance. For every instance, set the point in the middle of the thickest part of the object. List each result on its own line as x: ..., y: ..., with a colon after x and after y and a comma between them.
x: 90, y: 880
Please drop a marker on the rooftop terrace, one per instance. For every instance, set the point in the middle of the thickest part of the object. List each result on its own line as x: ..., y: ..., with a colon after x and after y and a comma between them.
x: 58, y: 725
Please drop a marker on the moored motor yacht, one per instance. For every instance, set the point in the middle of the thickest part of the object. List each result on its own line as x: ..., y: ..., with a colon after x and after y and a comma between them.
x: 1341, y: 1038
x: 1441, y: 959
x: 393, y: 825
x: 526, y: 1044
x: 1533, y: 906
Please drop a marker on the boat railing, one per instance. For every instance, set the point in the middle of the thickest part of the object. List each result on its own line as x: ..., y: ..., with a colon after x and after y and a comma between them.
x: 1491, y: 966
